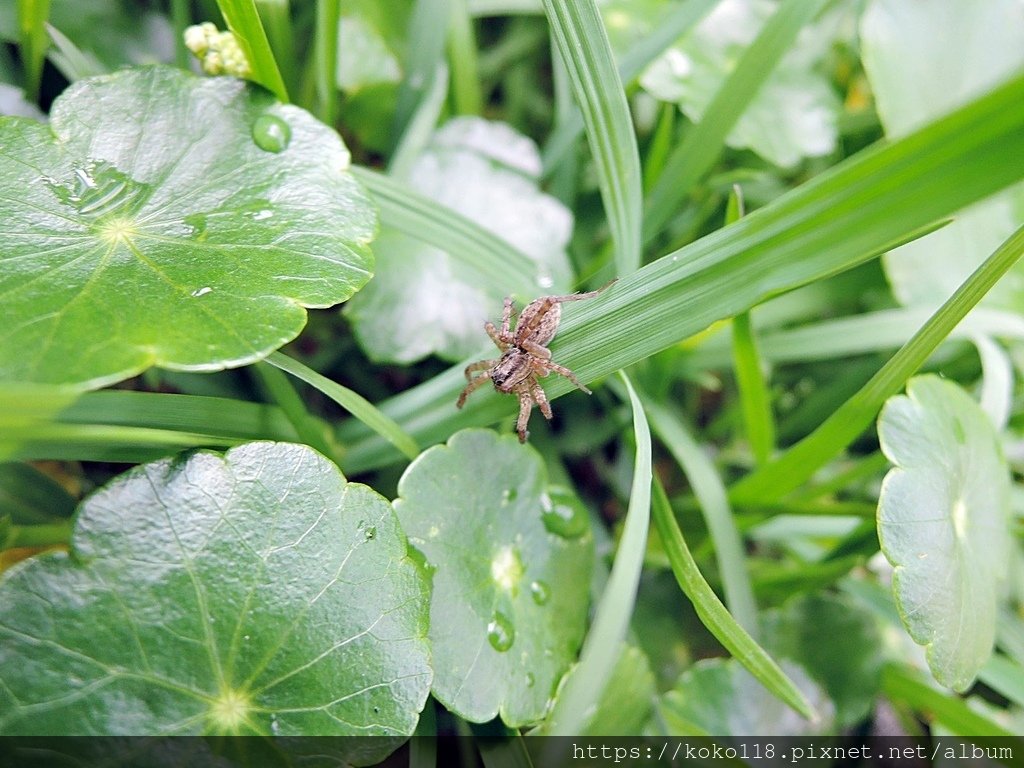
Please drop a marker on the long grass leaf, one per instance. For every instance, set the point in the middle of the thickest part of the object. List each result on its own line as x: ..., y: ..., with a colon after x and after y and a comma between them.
x: 244, y: 21
x: 427, y: 31
x: 676, y: 24
x: 583, y: 688
x: 352, y: 402
x: 837, y: 220
x: 583, y: 44
x: 280, y: 389
x: 904, y: 686
x: 703, y: 144
x: 796, y: 465
x: 714, y: 615
x: 709, y: 490
x: 32, y: 17
x: 325, y: 52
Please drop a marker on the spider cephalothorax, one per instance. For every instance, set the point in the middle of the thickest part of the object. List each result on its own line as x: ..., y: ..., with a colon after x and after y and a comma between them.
x: 525, y: 356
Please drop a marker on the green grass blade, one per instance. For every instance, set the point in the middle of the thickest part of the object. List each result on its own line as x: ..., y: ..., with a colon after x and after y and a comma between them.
x: 280, y: 389
x: 902, y: 685
x: 352, y: 402
x: 710, y: 492
x: 837, y: 220
x: 583, y: 688
x: 277, y: 22
x: 325, y: 52
x: 583, y: 44
x: 74, y: 63
x: 428, y: 29
x: 244, y: 21
x: 421, y: 126
x: 493, y: 260
x: 466, y: 95
x: 32, y: 42
x: 714, y: 615
x: 703, y: 144
x: 797, y: 464
x: 755, y: 401
x: 633, y: 62
x: 101, y: 442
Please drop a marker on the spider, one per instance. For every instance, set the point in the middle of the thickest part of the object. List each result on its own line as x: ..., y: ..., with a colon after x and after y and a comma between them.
x: 525, y: 355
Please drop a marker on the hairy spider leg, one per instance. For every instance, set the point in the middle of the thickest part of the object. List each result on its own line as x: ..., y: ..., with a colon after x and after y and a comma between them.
x: 536, y: 349
x: 541, y: 307
x: 525, y: 406
x: 561, y: 369
x: 541, y: 398
x: 480, y: 365
x: 495, y: 336
x: 473, y: 385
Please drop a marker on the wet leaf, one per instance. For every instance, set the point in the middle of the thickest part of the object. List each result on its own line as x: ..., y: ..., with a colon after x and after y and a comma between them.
x: 421, y: 302
x: 251, y: 593
x: 511, y: 559
x: 943, y: 522
x: 161, y: 219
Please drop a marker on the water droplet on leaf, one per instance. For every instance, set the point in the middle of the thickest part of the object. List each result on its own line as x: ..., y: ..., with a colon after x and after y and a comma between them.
x: 271, y: 133
x: 540, y: 592
x: 530, y: 680
x: 500, y: 633
x: 201, y: 291
x: 370, y: 532
x: 566, y: 520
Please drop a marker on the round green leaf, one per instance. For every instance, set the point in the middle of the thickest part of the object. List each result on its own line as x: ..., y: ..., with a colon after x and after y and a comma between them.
x: 511, y: 560
x: 836, y: 641
x: 162, y: 219
x: 251, y: 593
x: 943, y: 522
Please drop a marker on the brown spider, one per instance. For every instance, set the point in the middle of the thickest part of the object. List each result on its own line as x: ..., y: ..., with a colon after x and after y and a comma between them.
x: 525, y: 355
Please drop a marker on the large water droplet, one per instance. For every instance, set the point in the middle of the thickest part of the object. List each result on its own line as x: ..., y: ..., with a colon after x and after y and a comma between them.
x: 271, y: 133
x: 540, y: 592
x: 98, y: 190
x: 564, y: 516
x: 370, y: 532
x: 530, y: 680
x: 500, y: 632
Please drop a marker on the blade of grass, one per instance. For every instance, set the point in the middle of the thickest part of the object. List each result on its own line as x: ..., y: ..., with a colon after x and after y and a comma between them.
x: 633, y: 62
x: 582, y: 689
x: 421, y: 127
x: 714, y: 615
x: 755, y: 401
x: 244, y: 21
x: 496, y: 262
x: 798, y: 463
x: 837, y: 220
x: 180, y: 19
x: 703, y: 143
x: 72, y: 62
x: 709, y: 490
x: 1004, y: 677
x: 100, y: 442
x: 32, y: 17
x: 428, y: 28
x: 583, y: 44
x: 466, y: 95
x: 352, y: 402
x: 277, y: 23
x: 902, y: 685
x: 277, y: 386
x: 325, y: 51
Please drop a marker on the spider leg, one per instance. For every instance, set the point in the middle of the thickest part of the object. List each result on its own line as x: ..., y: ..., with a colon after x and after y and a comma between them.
x: 535, y: 349
x: 473, y: 385
x: 581, y: 296
x: 561, y: 369
x: 540, y: 398
x: 481, y: 365
x: 525, y: 406
x: 495, y: 335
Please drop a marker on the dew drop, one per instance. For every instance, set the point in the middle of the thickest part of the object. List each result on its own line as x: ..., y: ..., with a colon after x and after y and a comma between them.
x: 262, y: 215
x: 271, y: 133
x: 201, y: 291
x: 530, y: 680
x: 508, y: 496
x: 566, y: 520
x: 275, y: 727
x: 540, y: 592
x: 500, y: 633
x: 370, y: 532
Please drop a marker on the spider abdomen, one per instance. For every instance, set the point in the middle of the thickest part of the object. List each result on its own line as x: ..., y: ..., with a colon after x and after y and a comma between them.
x: 512, y: 369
